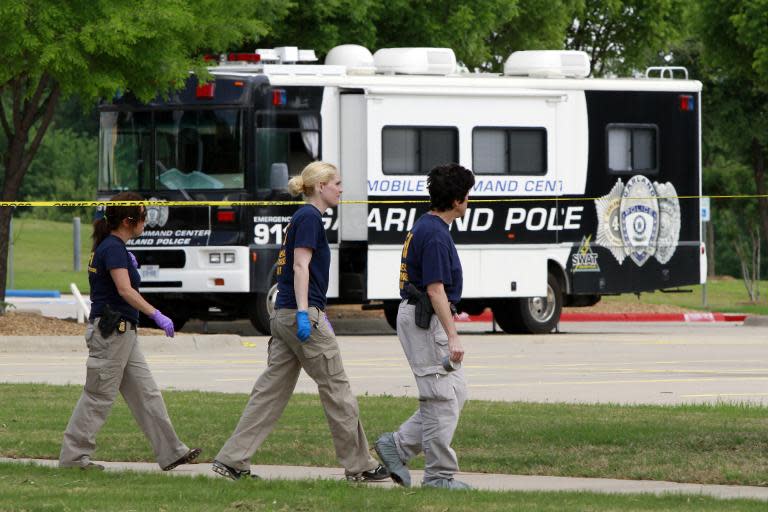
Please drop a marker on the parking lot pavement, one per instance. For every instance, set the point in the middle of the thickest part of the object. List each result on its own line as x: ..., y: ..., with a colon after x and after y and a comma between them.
x: 621, y: 363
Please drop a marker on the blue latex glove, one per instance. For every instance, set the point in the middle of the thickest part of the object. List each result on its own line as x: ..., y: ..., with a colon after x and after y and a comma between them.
x: 133, y: 260
x: 303, y: 327
x: 163, y: 322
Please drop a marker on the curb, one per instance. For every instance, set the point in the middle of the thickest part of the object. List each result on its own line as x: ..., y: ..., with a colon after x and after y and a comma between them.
x: 705, y: 317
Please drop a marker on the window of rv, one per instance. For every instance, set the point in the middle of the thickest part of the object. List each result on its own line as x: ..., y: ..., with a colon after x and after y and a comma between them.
x: 509, y: 150
x: 632, y: 148
x: 199, y: 149
x: 417, y: 149
x: 124, y: 151
x: 285, y: 143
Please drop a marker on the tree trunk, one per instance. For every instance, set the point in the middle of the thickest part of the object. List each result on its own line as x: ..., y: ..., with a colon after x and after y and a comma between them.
x: 30, y: 116
x: 758, y: 168
x: 5, y: 223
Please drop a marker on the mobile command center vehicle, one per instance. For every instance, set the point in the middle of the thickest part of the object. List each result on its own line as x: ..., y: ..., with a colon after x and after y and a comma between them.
x: 580, y: 183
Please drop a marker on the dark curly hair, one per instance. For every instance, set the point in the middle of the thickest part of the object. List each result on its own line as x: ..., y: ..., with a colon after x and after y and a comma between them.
x: 447, y: 183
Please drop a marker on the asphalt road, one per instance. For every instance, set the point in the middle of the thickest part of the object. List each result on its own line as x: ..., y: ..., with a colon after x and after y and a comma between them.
x: 662, y: 363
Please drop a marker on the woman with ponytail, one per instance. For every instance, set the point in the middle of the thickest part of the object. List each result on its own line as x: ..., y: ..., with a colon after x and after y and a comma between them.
x: 115, y: 361
x: 302, y: 337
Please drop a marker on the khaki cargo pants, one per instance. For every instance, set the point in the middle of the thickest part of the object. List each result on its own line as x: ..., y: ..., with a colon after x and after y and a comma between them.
x: 117, y: 364
x: 441, y: 397
x: 319, y: 356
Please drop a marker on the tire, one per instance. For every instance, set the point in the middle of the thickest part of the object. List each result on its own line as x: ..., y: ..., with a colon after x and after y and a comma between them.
x: 532, y: 315
x: 390, y: 312
x: 261, y: 308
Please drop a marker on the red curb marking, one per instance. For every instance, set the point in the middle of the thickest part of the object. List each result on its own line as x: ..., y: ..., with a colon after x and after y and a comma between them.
x: 703, y: 316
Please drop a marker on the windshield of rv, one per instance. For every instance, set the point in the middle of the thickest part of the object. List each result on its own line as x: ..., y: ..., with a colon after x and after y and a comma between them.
x: 171, y: 150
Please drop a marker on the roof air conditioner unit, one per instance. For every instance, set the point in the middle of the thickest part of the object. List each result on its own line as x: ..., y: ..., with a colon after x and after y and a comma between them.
x: 415, y: 61
x: 357, y: 59
x: 548, y: 64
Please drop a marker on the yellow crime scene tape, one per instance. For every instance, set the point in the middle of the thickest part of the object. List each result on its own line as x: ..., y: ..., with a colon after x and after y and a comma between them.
x: 528, y: 199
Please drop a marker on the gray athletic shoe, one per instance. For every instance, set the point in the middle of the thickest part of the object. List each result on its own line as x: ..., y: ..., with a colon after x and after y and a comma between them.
x: 447, y: 483
x: 387, y: 451
x: 92, y: 466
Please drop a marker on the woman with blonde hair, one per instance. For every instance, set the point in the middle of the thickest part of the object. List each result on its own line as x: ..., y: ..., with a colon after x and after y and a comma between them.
x: 302, y: 337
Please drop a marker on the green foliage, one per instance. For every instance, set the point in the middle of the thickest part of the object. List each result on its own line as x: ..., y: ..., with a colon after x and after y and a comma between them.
x: 622, y: 36
x: 94, y: 48
x: 323, y: 24
x: 464, y: 25
x: 734, y: 69
x: 536, y: 25
x: 64, y: 170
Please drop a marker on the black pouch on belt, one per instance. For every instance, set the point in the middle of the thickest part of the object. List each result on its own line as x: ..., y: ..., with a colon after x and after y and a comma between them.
x: 109, y: 321
x: 424, y: 310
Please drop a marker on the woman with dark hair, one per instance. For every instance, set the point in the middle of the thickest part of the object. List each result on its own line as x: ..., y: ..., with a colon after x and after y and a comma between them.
x: 431, y: 282
x: 115, y: 361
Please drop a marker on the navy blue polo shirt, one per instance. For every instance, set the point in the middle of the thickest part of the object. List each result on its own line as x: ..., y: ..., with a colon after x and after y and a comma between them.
x: 430, y: 256
x: 111, y: 253
x: 305, y: 230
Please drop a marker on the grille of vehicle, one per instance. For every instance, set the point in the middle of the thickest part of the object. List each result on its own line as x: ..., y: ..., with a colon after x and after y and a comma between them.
x: 163, y: 259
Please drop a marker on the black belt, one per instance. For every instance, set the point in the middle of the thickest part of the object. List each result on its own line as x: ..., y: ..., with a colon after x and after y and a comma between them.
x: 412, y: 301
x: 130, y: 325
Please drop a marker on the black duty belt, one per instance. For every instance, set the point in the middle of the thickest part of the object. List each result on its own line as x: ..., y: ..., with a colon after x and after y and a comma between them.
x: 413, y: 300
x: 124, y: 325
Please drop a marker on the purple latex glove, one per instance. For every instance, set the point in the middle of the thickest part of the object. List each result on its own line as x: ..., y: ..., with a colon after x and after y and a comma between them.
x: 163, y: 322
x: 133, y: 260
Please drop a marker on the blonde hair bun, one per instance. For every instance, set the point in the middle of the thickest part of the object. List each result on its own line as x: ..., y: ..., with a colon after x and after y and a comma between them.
x: 313, y: 174
x: 295, y: 185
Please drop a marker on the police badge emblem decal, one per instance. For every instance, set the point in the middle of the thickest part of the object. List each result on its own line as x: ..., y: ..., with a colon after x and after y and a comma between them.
x: 669, y: 221
x: 639, y: 219
x: 157, y: 216
x: 608, y: 230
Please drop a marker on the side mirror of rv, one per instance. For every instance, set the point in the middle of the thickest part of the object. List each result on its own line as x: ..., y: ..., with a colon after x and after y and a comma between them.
x: 278, y: 176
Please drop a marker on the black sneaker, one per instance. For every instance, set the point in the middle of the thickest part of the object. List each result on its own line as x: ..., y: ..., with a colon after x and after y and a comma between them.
x: 376, y: 474
x: 188, y: 457
x: 233, y: 474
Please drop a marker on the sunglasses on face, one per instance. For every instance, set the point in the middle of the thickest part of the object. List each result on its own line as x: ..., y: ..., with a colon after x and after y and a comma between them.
x: 142, y: 216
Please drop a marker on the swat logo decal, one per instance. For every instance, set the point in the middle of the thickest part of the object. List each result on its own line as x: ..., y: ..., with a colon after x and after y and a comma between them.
x: 640, y: 219
x: 585, y: 260
x: 157, y: 216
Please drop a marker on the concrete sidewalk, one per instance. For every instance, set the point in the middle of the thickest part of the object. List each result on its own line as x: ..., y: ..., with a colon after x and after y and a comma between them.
x: 484, y: 481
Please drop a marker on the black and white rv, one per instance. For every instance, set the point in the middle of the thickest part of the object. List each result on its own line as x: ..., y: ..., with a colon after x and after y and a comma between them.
x: 584, y: 187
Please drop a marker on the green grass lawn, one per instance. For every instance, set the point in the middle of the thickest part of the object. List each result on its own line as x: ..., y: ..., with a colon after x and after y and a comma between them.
x: 722, y: 444
x: 43, y: 255
x: 724, y: 294
x: 25, y: 487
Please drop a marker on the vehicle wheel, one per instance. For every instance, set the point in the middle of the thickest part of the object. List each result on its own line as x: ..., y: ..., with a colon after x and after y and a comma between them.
x: 261, y: 308
x: 390, y: 312
x: 534, y: 315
